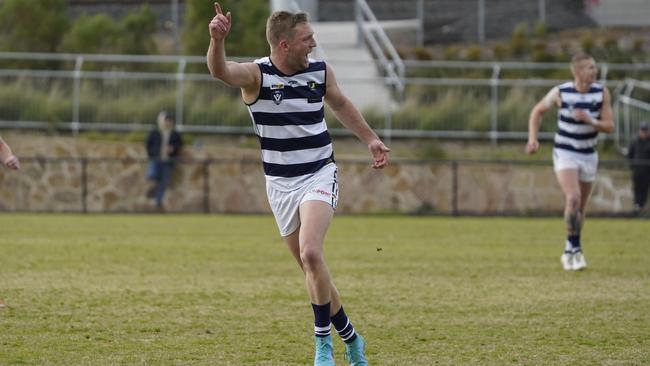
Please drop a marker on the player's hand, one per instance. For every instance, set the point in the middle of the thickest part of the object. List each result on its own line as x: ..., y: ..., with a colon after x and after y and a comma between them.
x: 220, y: 24
x: 379, y: 153
x: 582, y: 116
x: 12, y: 162
x: 532, y: 146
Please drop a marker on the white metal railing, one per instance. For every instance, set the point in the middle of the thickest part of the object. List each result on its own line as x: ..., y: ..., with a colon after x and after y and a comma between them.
x: 630, y: 111
x: 486, y: 93
x: 369, y: 29
x: 605, y: 68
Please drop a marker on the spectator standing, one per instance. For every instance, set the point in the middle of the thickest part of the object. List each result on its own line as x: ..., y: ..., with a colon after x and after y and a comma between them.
x: 164, y: 145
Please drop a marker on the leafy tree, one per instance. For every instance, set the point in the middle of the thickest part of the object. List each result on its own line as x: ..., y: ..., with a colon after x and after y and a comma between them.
x: 101, y: 34
x: 247, y: 36
x: 138, y: 29
x: 32, y: 25
x: 92, y: 34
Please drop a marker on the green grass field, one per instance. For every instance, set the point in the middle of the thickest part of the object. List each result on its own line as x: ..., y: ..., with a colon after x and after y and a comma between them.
x: 223, y: 290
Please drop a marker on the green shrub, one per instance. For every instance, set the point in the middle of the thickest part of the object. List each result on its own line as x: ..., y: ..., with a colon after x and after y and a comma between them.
x: 519, y: 43
x: 432, y: 151
x: 500, y: 52
x: 451, y: 53
x: 32, y: 25
x: 422, y: 53
x: 587, y: 43
x: 637, y: 45
x: 248, y: 33
x: 136, y: 32
x: 474, y: 53
x: 92, y: 34
x: 446, y: 109
x: 539, y: 30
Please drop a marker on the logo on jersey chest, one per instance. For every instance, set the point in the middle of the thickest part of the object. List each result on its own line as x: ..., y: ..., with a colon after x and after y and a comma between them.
x: 277, y: 97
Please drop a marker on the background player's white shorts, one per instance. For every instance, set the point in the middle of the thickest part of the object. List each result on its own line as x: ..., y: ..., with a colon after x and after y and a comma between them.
x: 585, y: 164
x: 322, y: 186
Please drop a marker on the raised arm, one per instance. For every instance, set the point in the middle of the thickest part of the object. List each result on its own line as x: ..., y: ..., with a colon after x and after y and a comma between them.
x: 535, y: 118
x: 241, y: 75
x: 352, y: 119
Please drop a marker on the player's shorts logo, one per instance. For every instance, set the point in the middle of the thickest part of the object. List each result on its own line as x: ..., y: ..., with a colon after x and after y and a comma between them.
x: 277, y: 97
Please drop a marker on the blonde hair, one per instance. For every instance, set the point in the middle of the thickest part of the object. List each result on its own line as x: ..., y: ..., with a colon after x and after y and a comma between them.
x: 578, y: 58
x: 281, y: 25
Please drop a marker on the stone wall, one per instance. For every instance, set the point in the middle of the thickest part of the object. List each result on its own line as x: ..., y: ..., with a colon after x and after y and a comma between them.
x: 52, y: 179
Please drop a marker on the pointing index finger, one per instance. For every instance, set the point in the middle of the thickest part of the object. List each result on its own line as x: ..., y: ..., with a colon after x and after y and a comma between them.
x: 217, y: 8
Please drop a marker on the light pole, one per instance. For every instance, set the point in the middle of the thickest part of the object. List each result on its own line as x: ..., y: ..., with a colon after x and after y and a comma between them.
x: 174, y: 5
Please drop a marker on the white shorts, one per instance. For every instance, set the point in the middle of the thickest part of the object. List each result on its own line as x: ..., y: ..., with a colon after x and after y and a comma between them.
x: 585, y: 164
x: 322, y: 186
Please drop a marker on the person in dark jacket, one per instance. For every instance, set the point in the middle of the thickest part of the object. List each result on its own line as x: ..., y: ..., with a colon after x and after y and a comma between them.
x: 639, y: 155
x: 164, y: 144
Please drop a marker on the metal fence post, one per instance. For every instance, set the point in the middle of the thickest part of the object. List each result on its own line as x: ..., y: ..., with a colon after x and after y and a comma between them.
x: 175, y: 25
x: 84, y: 185
x: 481, y: 21
x: 206, y: 186
x: 358, y: 17
x: 604, y: 69
x: 454, y: 187
x: 76, y: 92
x: 420, y: 16
x: 388, y: 128
x: 494, y: 115
x: 542, y: 11
x: 180, y: 79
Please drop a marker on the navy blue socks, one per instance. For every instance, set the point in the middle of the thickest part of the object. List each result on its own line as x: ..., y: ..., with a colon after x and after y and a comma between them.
x: 321, y: 320
x: 343, y: 326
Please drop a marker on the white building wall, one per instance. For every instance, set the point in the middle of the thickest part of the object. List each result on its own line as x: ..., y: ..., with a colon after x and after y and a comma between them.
x: 621, y: 12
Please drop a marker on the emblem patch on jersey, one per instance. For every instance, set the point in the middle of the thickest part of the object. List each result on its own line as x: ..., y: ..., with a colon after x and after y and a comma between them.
x: 277, y: 97
x: 312, y: 85
x: 277, y: 86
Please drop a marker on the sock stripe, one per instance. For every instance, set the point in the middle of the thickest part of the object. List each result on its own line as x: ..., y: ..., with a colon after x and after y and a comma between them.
x: 348, y: 327
x: 350, y: 337
x: 347, y: 335
x: 343, y: 326
x: 322, y: 329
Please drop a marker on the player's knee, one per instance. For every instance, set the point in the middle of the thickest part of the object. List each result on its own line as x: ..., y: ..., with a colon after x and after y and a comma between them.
x: 573, y: 200
x: 311, y: 258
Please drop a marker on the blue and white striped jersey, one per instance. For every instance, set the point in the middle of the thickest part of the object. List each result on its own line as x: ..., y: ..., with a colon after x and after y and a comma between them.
x: 574, y: 135
x: 289, y: 120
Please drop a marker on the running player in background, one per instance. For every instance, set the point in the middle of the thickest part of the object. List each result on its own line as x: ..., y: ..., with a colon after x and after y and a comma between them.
x: 584, y: 110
